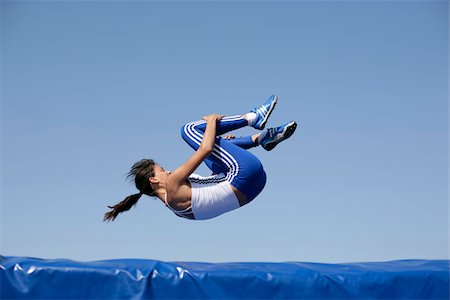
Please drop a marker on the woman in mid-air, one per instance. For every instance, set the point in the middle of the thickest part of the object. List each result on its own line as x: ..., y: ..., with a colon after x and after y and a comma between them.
x: 238, y: 175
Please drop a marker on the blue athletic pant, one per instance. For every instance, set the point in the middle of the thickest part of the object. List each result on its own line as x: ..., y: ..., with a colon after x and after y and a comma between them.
x: 244, y: 142
x: 243, y: 169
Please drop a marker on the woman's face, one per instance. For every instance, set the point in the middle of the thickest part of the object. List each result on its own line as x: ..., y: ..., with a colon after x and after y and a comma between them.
x: 160, y: 173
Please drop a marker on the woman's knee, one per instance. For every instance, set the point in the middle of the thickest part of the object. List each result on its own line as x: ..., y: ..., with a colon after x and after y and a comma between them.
x: 187, y: 131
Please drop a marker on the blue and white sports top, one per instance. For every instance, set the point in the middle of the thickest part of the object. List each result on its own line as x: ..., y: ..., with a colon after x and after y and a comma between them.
x: 211, y: 197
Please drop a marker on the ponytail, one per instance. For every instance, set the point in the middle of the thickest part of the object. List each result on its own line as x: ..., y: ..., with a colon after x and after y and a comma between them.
x: 125, y: 205
x: 140, y: 172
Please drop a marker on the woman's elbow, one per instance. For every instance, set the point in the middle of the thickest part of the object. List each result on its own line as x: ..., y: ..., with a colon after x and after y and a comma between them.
x: 207, y: 149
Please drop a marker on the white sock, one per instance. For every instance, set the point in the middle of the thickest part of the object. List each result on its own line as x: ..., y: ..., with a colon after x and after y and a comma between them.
x: 251, y: 117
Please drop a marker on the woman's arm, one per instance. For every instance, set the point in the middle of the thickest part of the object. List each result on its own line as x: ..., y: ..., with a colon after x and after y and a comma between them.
x: 182, y: 173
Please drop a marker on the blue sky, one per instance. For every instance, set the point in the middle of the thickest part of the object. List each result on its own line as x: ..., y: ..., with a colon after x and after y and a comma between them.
x: 88, y: 88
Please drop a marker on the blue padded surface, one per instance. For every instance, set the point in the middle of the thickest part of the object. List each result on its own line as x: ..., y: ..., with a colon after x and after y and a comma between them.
x: 23, y: 277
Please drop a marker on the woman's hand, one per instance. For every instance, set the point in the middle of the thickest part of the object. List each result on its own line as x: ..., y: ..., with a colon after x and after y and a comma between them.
x: 212, y: 117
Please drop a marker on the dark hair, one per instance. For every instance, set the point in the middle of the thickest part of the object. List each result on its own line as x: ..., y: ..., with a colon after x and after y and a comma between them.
x: 140, y: 172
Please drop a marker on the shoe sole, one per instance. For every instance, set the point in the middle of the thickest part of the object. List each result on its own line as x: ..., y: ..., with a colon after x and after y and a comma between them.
x: 287, y: 133
x: 272, y: 106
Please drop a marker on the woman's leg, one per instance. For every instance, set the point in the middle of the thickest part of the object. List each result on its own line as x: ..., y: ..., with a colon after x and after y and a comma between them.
x: 267, y: 138
x: 244, y: 170
x: 192, y: 133
x: 245, y: 142
x: 226, y: 124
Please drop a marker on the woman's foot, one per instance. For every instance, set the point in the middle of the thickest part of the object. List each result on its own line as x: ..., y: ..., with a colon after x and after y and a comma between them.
x: 271, y: 137
x: 263, y: 112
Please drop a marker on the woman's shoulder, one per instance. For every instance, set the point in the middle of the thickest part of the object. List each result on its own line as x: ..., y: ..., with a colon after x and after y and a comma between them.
x: 179, y: 197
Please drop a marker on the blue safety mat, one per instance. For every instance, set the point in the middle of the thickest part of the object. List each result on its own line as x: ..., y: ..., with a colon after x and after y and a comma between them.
x: 23, y: 277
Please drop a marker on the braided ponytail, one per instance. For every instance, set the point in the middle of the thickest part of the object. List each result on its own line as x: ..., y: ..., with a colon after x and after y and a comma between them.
x: 125, y: 205
x: 141, y: 171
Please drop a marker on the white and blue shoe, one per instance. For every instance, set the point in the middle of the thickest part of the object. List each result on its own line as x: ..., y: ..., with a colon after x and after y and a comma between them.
x: 271, y: 137
x: 263, y: 112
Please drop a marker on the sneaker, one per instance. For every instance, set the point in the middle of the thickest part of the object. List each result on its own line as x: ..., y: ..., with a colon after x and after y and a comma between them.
x: 263, y: 112
x: 271, y: 137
